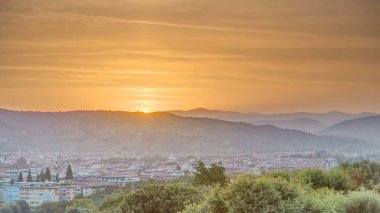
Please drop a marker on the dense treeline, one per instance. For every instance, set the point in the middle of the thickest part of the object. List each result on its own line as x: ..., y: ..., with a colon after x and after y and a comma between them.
x: 351, y: 188
x: 18, y: 207
x: 307, y: 190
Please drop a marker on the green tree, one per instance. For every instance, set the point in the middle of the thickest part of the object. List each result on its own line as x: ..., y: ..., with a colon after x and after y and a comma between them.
x: 334, y: 179
x: 69, y: 173
x: 24, y: 206
x: 82, y: 205
x: 209, y: 176
x: 364, y: 173
x: 48, y: 174
x: 57, y: 178
x: 42, y: 176
x: 20, y: 178
x: 52, y: 207
x: 29, y: 178
x: 160, y: 198
x: 15, y: 208
x: 6, y: 209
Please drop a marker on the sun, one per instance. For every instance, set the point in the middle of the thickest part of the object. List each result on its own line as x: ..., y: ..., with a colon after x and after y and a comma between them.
x: 146, y: 110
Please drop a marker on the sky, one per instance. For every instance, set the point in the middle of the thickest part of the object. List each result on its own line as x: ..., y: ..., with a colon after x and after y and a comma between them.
x: 147, y: 55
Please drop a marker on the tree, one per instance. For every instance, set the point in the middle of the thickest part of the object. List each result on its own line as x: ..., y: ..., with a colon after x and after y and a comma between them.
x: 209, y: 176
x: 82, y: 205
x: 20, y: 178
x: 29, y: 178
x: 52, y: 207
x: 57, y: 178
x: 42, y: 176
x: 16, y: 208
x: 48, y: 174
x: 335, y: 179
x: 6, y: 209
x: 160, y: 198
x: 24, y: 206
x: 69, y: 173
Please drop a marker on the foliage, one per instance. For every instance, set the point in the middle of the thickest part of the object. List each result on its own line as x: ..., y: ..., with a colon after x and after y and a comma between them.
x: 186, y: 178
x: 249, y: 194
x: 113, y: 203
x: 18, y: 207
x: 20, y: 178
x: 52, y: 207
x: 82, y: 205
x: 48, y: 174
x: 364, y: 173
x: 284, y: 174
x: 321, y: 200
x: 334, y: 179
x: 362, y: 201
x: 6, y: 209
x: 209, y: 176
x: 29, y: 178
x: 69, y: 173
x: 260, y: 195
x: 24, y: 206
x: 160, y: 198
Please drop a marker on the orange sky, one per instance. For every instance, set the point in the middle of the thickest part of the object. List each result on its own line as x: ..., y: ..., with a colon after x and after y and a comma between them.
x: 245, y: 55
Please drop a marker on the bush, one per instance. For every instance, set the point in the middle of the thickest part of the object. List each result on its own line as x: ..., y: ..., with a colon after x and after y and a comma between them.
x: 334, y: 179
x: 51, y: 207
x: 259, y: 195
x: 321, y: 200
x: 363, y: 201
x: 161, y: 198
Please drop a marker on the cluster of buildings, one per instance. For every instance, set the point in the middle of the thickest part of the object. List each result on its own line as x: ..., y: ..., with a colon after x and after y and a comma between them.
x: 97, y: 171
x: 36, y: 193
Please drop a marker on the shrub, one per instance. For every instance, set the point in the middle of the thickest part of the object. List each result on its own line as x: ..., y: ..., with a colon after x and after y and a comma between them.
x: 321, y: 200
x: 363, y: 201
x: 161, y: 198
x: 259, y: 195
x: 334, y: 179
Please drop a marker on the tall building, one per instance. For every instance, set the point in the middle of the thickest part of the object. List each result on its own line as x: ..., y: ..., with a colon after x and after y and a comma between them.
x: 1, y: 196
x: 69, y: 192
x: 11, y: 194
x: 36, y: 194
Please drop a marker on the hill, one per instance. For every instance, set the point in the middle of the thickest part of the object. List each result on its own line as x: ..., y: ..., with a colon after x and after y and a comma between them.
x: 159, y: 132
x: 328, y: 118
x: 301, y: 124
x: 367, y: 128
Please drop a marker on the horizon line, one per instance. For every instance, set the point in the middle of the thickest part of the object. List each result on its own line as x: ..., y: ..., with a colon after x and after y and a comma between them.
x: 186, y: 110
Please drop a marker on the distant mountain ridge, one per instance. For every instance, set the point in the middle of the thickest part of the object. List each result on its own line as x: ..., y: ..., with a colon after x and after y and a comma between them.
x: 295, y: 120
x: 367, y: 128
x: 158, y: 132
x: 302, y: 124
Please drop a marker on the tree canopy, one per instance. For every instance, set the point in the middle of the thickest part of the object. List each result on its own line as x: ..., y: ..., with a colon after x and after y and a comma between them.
x: 215, y: 174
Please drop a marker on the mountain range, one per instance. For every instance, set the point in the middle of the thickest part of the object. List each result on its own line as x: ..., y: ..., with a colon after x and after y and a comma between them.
x: 367, y: 128
x: 159, y: 132
x: 303, y: 121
